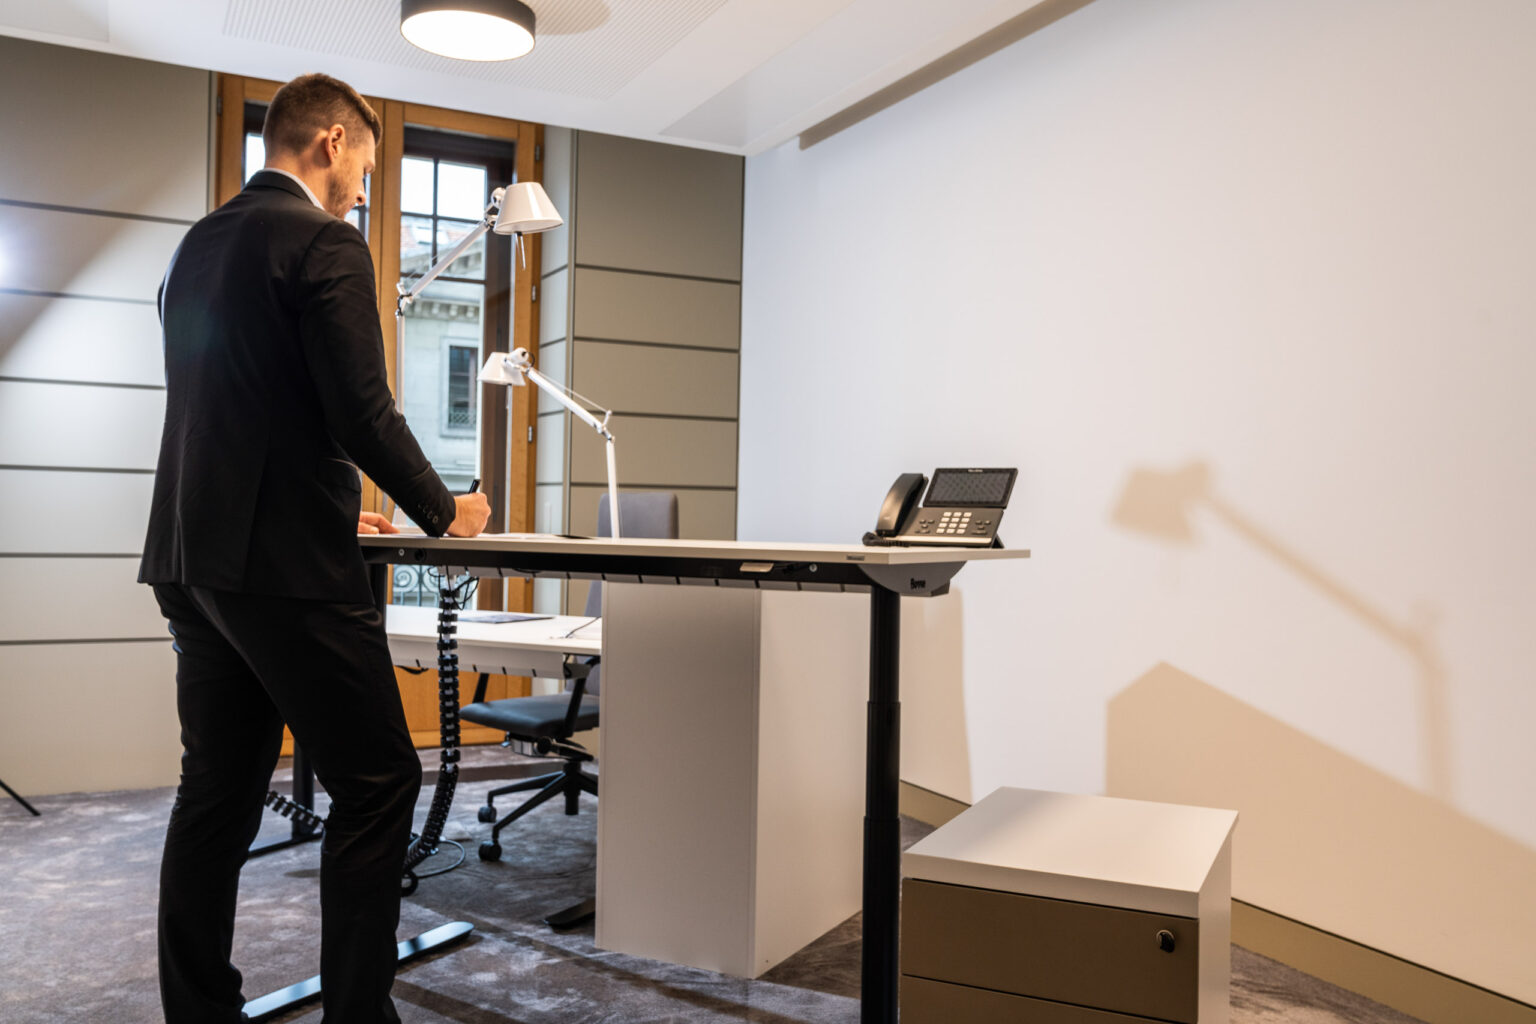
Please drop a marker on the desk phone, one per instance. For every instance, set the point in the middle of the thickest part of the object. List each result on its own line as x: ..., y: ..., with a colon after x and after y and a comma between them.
x: 963, y: 507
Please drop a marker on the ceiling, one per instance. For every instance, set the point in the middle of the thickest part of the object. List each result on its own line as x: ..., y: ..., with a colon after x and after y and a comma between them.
x: 740, y: 76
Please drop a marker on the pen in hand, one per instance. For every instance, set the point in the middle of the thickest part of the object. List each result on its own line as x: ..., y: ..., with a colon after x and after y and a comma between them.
x: 474, y: 485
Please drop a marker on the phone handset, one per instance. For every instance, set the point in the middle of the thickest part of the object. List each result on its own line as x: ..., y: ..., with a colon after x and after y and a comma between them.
x: 897, y: 508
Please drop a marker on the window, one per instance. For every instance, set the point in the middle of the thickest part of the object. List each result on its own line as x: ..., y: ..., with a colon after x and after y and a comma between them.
x: 460, y: 317
x: 459, y: 407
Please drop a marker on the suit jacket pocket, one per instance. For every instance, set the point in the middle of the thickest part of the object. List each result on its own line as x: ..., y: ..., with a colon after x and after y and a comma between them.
x: 339, y: 473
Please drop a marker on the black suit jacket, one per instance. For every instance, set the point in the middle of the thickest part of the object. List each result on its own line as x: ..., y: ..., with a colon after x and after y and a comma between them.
x: 275, y: 387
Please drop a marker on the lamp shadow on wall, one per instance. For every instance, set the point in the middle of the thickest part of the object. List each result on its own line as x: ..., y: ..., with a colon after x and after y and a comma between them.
x: 1161, y: 504
x: 1327, y: 840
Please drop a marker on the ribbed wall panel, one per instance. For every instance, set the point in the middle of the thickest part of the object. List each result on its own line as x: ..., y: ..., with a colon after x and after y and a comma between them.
x: 72, y: 513
x: 75, y: 599
x: 80, y: 339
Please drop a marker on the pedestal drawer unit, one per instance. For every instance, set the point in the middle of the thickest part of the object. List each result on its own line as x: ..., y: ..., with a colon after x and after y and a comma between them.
x: 1051, y: 908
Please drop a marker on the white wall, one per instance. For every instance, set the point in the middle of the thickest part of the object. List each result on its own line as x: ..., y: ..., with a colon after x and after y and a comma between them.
x: 1289, y: 241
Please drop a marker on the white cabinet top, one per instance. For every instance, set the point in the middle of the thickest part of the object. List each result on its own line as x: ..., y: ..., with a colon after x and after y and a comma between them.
x: 1092, y: 849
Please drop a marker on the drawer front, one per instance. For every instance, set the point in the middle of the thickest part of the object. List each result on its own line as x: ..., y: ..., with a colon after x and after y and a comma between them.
x: 938, y: 1002
x: 1092, y: 956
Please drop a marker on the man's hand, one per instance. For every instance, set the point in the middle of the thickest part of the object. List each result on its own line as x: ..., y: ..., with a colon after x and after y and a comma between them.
x: 372, y: 522
x: 470, y: 514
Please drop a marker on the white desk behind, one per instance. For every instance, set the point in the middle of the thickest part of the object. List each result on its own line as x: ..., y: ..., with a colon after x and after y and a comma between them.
x: 534, y: 647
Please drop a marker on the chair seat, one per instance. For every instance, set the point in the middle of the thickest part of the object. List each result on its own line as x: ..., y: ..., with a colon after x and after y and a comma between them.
x: 533, y: 717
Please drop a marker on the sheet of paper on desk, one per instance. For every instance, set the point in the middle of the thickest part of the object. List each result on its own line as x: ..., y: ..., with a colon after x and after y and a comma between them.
x: 490, y: 616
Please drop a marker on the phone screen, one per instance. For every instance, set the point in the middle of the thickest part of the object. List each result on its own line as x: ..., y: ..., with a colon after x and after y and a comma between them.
x: 961, y: 487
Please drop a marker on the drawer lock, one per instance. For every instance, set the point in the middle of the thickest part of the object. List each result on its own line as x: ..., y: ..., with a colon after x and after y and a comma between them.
x: 1165, y: 941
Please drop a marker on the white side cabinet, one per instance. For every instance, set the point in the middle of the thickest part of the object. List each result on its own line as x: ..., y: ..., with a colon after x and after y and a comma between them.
x: 1054, y: 908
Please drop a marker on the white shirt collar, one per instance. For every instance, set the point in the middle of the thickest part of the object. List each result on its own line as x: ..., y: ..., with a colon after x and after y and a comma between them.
x: 295, y: 177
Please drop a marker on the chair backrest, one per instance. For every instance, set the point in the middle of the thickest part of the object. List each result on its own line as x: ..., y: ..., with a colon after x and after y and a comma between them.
x: 641, y: 514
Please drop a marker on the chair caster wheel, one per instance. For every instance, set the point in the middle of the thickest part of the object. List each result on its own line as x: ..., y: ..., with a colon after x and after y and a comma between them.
x: 487, y: 814
x: 490, y: 851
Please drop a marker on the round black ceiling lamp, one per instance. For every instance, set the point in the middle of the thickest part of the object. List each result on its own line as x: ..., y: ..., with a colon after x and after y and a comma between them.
x: 468, y: 29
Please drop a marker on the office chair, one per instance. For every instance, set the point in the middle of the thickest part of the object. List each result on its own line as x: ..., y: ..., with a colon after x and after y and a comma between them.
x: 548, y: 722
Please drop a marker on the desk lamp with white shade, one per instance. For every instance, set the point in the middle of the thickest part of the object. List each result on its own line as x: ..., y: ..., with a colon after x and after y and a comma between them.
x: 512, y: 368
x: 523, y: 208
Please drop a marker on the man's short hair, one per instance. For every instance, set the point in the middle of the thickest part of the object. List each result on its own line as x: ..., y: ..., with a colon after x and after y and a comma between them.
x: 310, y: 104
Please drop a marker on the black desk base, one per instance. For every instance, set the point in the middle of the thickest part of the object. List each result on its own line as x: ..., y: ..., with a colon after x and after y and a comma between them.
x: 275, y: 1004
x: 882, y: 823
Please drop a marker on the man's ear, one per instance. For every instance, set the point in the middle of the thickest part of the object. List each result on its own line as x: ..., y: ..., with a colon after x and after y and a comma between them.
x: 334, y: 139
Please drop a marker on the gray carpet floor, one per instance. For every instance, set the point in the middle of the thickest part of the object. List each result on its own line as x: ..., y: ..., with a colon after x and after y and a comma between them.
x: 77, y: 925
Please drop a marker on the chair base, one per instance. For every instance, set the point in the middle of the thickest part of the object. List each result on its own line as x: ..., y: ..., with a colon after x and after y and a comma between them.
x: 569, y: 782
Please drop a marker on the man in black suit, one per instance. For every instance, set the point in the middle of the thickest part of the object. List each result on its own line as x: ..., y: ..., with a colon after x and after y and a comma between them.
x: 275, y: 395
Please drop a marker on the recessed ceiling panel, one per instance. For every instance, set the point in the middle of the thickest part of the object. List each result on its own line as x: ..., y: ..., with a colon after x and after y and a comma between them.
x: 585, y: 48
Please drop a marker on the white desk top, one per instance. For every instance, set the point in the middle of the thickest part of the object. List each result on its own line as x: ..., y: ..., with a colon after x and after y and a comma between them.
x: 746, y: 551
x: 1093, y: 849
x: 913, y: 571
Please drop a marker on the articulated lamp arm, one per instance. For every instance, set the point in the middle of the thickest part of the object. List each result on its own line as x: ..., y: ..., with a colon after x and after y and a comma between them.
x: 511, y: 369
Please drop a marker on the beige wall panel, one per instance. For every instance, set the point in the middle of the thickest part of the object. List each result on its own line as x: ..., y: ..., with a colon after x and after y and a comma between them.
x: 103, y: 513
x: 71, y: 425
x: 107, y: 719
x: 76, y: 599
x: 552, y: 301
x: 668, y: 310
x: 679, y: 453
x: 80, y: 339
x: 83, y: 254
x: 551, y: 447
x: 649, y: 206
x: 77, y: 133
x: 668, y: 381
x: 553, y: 363
x: 557, y: 182
x: 701, y: 515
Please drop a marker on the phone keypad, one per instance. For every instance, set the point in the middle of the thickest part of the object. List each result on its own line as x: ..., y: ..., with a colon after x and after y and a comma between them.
x: 933, y: 522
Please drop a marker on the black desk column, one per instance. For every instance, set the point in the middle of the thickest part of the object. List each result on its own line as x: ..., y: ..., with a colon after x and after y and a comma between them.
x: 882, y: 824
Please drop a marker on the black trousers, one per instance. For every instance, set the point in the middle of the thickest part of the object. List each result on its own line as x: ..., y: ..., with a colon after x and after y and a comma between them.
x: 245, y: 665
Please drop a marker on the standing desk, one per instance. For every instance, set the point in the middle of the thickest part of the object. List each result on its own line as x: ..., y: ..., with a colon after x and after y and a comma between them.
x: 886, y: 574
